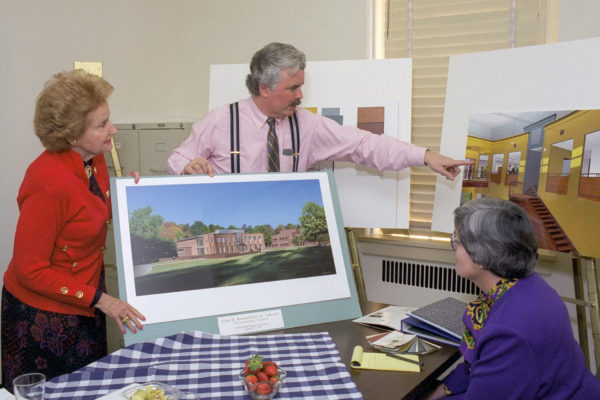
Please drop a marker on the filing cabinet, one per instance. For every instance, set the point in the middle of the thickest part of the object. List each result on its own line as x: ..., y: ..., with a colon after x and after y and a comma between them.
x: 145, y: 147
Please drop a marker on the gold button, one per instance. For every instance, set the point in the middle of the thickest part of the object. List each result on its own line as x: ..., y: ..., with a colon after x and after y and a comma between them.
x: 65, y: 248
x: 108, y: 222
x: 95, y: 170
x: 79, y: 294
x: 64, y: 290
x: 103, y: 249
x: 107, y: 194
x: 75, y: 264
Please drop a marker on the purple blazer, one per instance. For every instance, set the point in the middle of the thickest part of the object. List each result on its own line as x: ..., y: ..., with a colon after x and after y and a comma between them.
x: 525, y: 350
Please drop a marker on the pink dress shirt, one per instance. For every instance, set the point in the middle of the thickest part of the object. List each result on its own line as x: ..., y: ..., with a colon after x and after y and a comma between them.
x: 321, y: 139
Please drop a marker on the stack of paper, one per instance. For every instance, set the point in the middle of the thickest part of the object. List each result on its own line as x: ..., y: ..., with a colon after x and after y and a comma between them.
x: 393, y: 341
x: 387, y: 318
x: 396, y: 342
x: 440, y: 321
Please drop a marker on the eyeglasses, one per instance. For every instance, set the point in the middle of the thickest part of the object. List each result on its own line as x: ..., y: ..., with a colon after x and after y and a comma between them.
x: 454, y: 241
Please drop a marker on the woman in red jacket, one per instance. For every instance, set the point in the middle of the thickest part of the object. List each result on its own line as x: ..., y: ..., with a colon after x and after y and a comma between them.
x: 54, y: 300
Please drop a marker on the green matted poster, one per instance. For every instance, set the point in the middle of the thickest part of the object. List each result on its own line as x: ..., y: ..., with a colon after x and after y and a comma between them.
x: 232, y: 254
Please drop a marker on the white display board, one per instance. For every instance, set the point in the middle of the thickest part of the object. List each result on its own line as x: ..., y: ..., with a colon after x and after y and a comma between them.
x: 558, y: 76
x: 368, y: 198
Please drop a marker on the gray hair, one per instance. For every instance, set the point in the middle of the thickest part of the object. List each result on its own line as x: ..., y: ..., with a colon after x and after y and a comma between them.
x: 268, y: 62
x: 497, y: 234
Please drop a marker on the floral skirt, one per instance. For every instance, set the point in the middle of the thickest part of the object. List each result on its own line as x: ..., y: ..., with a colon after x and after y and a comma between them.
x: 54, y: 344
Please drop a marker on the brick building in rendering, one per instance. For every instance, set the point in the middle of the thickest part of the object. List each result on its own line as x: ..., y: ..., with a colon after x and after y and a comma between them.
x: 222, y: 242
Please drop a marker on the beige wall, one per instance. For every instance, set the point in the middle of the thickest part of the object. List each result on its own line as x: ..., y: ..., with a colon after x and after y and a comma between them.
x: 156, y: 53
x: 578, y: 19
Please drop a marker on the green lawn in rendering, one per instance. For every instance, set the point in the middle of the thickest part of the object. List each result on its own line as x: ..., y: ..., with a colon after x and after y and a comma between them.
x: 272, y: 265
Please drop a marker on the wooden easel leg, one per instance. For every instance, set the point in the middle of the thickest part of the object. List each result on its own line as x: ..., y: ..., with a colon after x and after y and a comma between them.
x: 580, y: 303
x: 356, y: 268
x: 591, y: 277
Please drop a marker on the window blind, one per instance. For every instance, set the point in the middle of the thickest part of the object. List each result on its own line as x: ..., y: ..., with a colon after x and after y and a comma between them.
x: 430, y: 31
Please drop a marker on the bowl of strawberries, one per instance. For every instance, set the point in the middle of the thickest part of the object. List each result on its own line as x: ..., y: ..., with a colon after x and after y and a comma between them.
x: 262, y: 379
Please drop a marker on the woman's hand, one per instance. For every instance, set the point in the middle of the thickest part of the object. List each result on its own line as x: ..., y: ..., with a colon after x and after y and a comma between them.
x: 136, y: 176
x: 122, y: 312
x: 198, y: 166
x: 438, y: 393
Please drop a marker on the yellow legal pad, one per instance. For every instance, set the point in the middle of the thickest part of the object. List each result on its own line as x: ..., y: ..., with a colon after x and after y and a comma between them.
x: 380, y: 361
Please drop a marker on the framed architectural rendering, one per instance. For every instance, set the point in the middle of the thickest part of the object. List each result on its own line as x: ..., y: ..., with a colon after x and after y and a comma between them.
x: 548, y: 162
x: 559, y: 113
x: 232, y: 254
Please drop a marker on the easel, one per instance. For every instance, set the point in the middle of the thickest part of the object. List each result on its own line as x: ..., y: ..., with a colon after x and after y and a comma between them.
x: 356, y: 268
x: 115, y: 158
x: 585, y: 269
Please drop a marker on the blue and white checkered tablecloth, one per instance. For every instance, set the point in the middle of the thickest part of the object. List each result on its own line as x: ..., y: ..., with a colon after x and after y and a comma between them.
x: 207, y: 365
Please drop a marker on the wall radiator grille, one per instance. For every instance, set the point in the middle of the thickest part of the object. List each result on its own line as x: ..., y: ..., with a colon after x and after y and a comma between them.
x: 414, y: 273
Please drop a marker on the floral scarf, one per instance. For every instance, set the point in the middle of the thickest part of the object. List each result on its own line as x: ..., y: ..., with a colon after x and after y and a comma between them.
x: 477, y: 312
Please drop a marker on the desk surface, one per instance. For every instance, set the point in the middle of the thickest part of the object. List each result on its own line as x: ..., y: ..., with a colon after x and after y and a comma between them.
x: 381, y: 384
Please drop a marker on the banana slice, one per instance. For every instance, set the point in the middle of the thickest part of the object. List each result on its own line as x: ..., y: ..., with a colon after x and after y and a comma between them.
x: 149, y: 393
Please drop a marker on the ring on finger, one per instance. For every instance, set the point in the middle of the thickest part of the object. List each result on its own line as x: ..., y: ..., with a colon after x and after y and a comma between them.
x: 125, y: 319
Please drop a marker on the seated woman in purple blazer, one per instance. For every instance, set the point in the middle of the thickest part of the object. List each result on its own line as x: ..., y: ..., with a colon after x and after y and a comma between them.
x: 518, y: 342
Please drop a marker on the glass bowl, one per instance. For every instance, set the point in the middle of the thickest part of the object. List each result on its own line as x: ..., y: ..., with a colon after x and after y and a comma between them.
x: 169, y: 392
x: 253, y: 390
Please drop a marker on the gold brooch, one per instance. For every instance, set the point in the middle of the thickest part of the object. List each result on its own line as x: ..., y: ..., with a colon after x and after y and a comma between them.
x: 88, y: 171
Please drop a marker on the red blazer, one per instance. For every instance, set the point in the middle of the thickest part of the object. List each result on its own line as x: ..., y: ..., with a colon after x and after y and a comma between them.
x: 60, y: 235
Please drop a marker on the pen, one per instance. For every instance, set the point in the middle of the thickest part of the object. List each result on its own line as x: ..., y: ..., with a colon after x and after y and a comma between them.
x: 419, y: 363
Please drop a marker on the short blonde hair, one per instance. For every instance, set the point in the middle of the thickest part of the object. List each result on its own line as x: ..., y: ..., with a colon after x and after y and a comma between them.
x: 62, y: 107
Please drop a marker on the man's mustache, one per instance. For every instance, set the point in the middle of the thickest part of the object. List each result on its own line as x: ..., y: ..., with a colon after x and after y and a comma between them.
x: 295, y: 103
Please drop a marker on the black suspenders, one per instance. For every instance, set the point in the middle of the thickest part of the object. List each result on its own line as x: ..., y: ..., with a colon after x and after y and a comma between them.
x: 234, y: 129
x: 295, y: 133
x: 234, y: 121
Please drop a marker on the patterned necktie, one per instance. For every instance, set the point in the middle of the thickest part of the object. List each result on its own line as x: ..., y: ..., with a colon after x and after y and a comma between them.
x: 272, y: 147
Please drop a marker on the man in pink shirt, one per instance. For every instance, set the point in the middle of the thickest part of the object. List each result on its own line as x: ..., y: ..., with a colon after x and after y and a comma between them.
x: 275, y: 84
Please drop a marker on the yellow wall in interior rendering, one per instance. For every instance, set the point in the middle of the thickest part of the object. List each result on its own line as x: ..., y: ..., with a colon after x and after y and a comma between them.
x: 578, y: 217
x: 477, y: 146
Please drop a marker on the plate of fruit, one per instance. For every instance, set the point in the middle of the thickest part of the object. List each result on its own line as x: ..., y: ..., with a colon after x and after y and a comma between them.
x: 262, y: 379
x: 151, y: 391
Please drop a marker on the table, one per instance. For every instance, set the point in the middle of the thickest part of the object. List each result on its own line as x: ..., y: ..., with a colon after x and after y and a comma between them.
x: 206, y: 366
x: 375, y: 385
x: 316, y: 357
